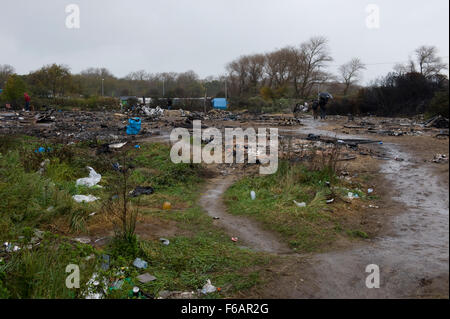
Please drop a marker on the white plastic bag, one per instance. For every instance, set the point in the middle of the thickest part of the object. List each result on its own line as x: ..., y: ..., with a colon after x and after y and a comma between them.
x: 93, y: 179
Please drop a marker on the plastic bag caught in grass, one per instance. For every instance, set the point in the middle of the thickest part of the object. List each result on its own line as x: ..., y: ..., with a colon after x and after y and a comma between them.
x: 84, y: 198
x: 93, y: 179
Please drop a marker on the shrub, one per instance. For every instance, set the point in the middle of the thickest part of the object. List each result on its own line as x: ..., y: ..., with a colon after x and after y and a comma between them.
x: 439, y: 104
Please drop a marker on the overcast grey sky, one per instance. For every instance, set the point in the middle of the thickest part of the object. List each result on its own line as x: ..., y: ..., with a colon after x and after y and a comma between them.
x: 203, y: 35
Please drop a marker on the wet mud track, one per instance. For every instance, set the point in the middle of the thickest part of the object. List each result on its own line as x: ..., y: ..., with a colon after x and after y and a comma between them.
x: 412, y: 256
x: 248, y: 232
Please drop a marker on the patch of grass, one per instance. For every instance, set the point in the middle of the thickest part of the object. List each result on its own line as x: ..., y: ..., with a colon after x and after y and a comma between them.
x: 44, y: 200
x: 188, y: 262
x: 41, y: 272
x: 306, y: 229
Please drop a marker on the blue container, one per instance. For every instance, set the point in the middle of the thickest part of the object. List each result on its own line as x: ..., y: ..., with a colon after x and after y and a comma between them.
x: 220, y: 103
x: 134, y: 126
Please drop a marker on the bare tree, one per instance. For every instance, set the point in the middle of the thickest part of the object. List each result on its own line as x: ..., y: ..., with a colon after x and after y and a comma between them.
x: 238, y: 73
x: 315, y: 53
x: 5, y: 71
x: 350, y: 73
x: 429, y: 63
x: 256, y: 65
x: 278, y: 67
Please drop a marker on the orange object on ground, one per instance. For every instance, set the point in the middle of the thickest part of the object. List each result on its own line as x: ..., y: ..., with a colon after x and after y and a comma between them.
x: 167, y: 206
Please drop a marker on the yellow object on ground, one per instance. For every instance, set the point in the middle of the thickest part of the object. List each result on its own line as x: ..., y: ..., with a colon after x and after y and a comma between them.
x: 167, y: 206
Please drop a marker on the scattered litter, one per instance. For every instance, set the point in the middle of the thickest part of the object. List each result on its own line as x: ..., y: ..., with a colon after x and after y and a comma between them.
x: 93, y: 179
x: 330, y: 201
x: 135, y: 291
x: 165, y: 294
x: 116, y: 166
x: 145, y: 278
x: 167, y: 206
x: 164, y: 241
x: 438, y: 121
x: 137, y: 146
x: 208, y: 288
x: 302, y: 204
x: 351, y: 195
x: 42, y: 150
x: 373, y: 206
x: 215, y: 217
x: 9, y: 247
x: 235, y: 239
x: 370, y: 190
x: 139, y: 263
x: 117, y: 145
x: 253, y: 195
x: 440, y: 158
x: 83, y: 240
x: 43, y: 166
x: 94, y: 290
x: 156, y: 112
x: 399, y: 159
x: 313, y: 137
x: 84, y: 198
x: 45, y: 117
x: 117, y: 284
x: 92, y: 214
x: 141, y: 190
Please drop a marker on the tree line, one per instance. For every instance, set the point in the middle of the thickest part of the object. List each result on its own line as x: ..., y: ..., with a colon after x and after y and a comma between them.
x: 292, y: 72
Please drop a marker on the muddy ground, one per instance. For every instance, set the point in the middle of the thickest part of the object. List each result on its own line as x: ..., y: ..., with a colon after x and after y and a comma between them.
x: 409, y: 234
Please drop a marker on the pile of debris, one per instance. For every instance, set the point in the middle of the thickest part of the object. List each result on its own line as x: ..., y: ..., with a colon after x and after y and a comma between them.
x: 69, y: 126
x: 437, y: 121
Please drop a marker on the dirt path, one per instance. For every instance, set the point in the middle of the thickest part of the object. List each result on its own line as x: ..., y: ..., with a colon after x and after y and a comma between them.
x: 413, y: 258
x: 249, y: 233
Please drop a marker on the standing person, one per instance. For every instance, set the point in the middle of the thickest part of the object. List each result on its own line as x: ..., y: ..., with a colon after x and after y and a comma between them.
x: 27, y: 101
x: 323, y: 100
x: 315, y: 109
x: 169, y: 103
x: 297, y: 110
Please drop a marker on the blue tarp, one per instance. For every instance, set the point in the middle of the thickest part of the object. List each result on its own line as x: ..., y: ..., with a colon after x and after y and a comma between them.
x: 134, y: 126
x: 220, y: 103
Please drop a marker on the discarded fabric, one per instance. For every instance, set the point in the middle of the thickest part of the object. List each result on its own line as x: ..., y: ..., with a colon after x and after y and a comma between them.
x: 142, y: 190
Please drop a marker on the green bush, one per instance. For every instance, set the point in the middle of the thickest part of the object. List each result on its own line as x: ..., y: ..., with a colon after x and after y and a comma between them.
x: 439, y: 104
x: 14, y: 90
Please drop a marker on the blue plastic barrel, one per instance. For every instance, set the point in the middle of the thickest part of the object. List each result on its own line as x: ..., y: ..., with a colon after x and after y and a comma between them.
x: 134, y: 126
